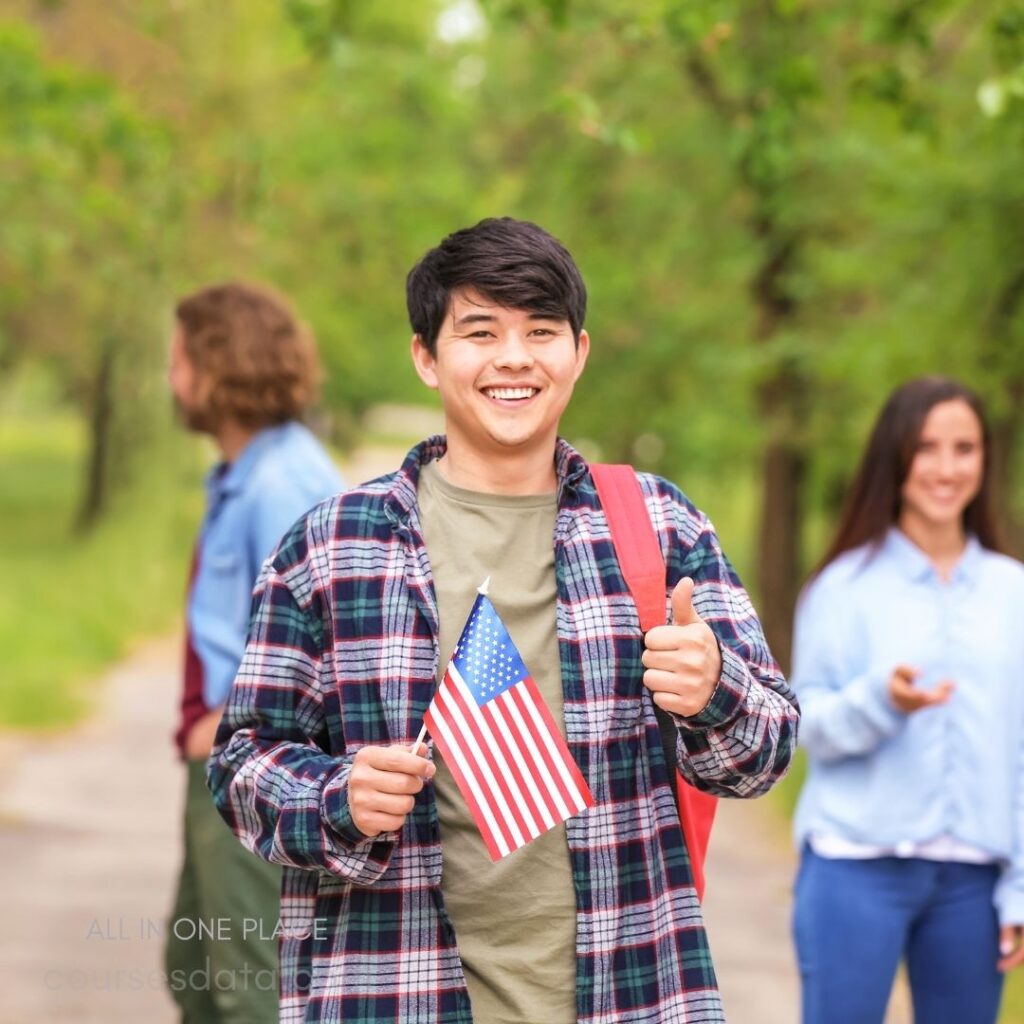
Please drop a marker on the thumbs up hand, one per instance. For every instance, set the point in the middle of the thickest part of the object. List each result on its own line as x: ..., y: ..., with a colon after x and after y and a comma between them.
x: 682, y: 661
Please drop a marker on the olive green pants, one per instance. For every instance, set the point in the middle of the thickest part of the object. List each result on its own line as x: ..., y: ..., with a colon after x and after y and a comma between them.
x: 221, y: 956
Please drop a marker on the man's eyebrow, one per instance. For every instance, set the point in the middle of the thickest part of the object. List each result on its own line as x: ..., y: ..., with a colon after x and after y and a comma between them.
x: 475, y: 318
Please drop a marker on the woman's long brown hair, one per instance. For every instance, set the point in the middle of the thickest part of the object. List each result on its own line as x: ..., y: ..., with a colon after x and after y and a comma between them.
x: 873, y: 500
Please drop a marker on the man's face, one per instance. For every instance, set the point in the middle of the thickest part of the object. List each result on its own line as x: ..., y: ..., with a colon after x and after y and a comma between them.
x: 504, y: 375
x: 183, y: 380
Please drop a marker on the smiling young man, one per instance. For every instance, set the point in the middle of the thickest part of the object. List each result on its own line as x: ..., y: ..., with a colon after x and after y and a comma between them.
x: 392, y: 907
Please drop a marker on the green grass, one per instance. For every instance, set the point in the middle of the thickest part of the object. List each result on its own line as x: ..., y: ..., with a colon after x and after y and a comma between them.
x: 72, y: 604
x: 1013, y: 999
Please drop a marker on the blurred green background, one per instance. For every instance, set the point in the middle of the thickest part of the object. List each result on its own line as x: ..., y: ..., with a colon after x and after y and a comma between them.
x: 782, y: 209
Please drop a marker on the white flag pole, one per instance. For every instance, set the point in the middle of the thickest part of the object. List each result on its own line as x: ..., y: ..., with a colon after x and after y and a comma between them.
x: 482, y: 589
x: 419, y: 739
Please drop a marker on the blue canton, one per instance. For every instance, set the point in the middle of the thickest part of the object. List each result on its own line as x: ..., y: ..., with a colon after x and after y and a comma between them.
x: 486, y: 657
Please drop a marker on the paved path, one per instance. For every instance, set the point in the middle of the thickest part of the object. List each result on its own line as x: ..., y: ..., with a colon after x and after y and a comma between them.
x: 746, y: 911
x: 89, y: 843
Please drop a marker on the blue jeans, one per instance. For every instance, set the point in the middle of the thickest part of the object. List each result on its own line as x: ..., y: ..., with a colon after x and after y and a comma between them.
x: 854, y: 920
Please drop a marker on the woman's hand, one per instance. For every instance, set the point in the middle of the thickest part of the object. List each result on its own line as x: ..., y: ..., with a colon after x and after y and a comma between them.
x: 909, y: 698
x: 1011, y: 947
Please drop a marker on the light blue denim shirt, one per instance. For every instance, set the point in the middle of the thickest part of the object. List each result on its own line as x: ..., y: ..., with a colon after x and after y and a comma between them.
x: 879, y: 776
x: 250, y: 504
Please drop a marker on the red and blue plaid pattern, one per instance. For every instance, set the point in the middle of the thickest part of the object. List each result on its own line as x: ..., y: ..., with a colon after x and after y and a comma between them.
x: 343, y: 653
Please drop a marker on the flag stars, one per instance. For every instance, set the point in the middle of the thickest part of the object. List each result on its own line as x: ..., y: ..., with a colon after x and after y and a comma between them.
x: 486, y: 655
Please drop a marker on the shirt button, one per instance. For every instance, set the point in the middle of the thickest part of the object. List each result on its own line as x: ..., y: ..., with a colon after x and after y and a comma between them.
x: 905, y: 848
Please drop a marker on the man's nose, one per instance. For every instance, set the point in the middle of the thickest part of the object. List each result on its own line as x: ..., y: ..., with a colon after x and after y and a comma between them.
x: 514, y: 353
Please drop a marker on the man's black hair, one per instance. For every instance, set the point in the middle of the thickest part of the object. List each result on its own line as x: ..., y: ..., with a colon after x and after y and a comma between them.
x: 511, y: 262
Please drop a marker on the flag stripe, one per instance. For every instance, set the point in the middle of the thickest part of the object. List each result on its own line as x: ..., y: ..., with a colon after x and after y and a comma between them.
x: 563, y: 789
x: 527, y: 753
x: 495, y: 762
x: 529, y: 799
x: 567, y: 766
x: 539, y: 811
x: 467, y: 789
x: 474, y: 763
x: 466, y: 781
x: 540, y: 764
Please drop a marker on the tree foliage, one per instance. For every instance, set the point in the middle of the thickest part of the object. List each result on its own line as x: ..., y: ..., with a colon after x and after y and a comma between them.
x: 782, y: 208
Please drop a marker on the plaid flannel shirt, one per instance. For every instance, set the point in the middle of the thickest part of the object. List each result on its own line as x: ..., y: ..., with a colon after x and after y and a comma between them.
x: 343, y: 653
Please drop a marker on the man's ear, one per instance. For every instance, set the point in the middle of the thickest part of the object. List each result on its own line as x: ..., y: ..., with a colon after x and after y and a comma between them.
x: 424, y: 362
x: 582, y: 351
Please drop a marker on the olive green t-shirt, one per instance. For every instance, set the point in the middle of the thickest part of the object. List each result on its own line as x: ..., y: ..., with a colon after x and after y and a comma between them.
x: 515, y: 920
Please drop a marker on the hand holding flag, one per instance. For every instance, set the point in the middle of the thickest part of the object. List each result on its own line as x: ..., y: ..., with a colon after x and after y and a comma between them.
x: 499, y: 739
x: 382, y: 787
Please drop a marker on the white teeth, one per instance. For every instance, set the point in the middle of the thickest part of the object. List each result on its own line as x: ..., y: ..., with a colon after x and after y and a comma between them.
x: 509, y: 394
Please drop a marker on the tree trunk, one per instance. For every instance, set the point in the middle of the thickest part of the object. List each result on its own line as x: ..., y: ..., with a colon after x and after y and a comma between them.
x: 101, y: 417
x: 782, y: 404
x: 1006, y: 435
x: 1008, y: 428
x: 783, y: 469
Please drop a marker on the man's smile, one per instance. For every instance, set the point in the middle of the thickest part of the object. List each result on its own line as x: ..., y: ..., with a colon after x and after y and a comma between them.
x: 505, y: 395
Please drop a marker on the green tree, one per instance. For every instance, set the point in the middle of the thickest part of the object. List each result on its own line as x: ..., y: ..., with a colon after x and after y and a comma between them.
x: 82, y: 223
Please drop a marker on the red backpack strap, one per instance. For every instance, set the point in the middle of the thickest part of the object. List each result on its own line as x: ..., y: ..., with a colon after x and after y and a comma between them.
x: 643, y: 566
x: 636, y: 545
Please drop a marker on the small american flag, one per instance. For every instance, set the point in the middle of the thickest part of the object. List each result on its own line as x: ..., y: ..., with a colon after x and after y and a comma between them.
x: 499, y: 739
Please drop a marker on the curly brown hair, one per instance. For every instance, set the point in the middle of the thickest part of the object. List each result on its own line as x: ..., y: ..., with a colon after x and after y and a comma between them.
x: 255, y: 362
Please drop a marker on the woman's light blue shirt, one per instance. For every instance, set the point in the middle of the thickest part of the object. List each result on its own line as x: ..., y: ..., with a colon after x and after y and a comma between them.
x: 879, y: 776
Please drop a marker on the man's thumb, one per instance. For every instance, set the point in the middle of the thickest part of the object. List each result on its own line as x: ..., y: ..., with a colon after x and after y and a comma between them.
x: 682, y: 603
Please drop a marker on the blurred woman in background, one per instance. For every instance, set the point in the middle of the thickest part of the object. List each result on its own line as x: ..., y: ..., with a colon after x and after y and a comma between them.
x: 909, y: 666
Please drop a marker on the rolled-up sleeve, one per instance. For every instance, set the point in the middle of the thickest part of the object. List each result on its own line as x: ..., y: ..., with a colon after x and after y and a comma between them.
x: 272, y: 779
x: 742, y: 741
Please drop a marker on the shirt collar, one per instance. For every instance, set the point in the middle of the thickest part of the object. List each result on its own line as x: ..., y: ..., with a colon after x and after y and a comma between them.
x: 570, y: 468
x: 230, y: 477
x: 970, y: 561
x: 898, y: 547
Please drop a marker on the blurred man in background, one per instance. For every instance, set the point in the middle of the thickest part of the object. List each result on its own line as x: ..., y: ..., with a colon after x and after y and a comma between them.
x: 242, y: 370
